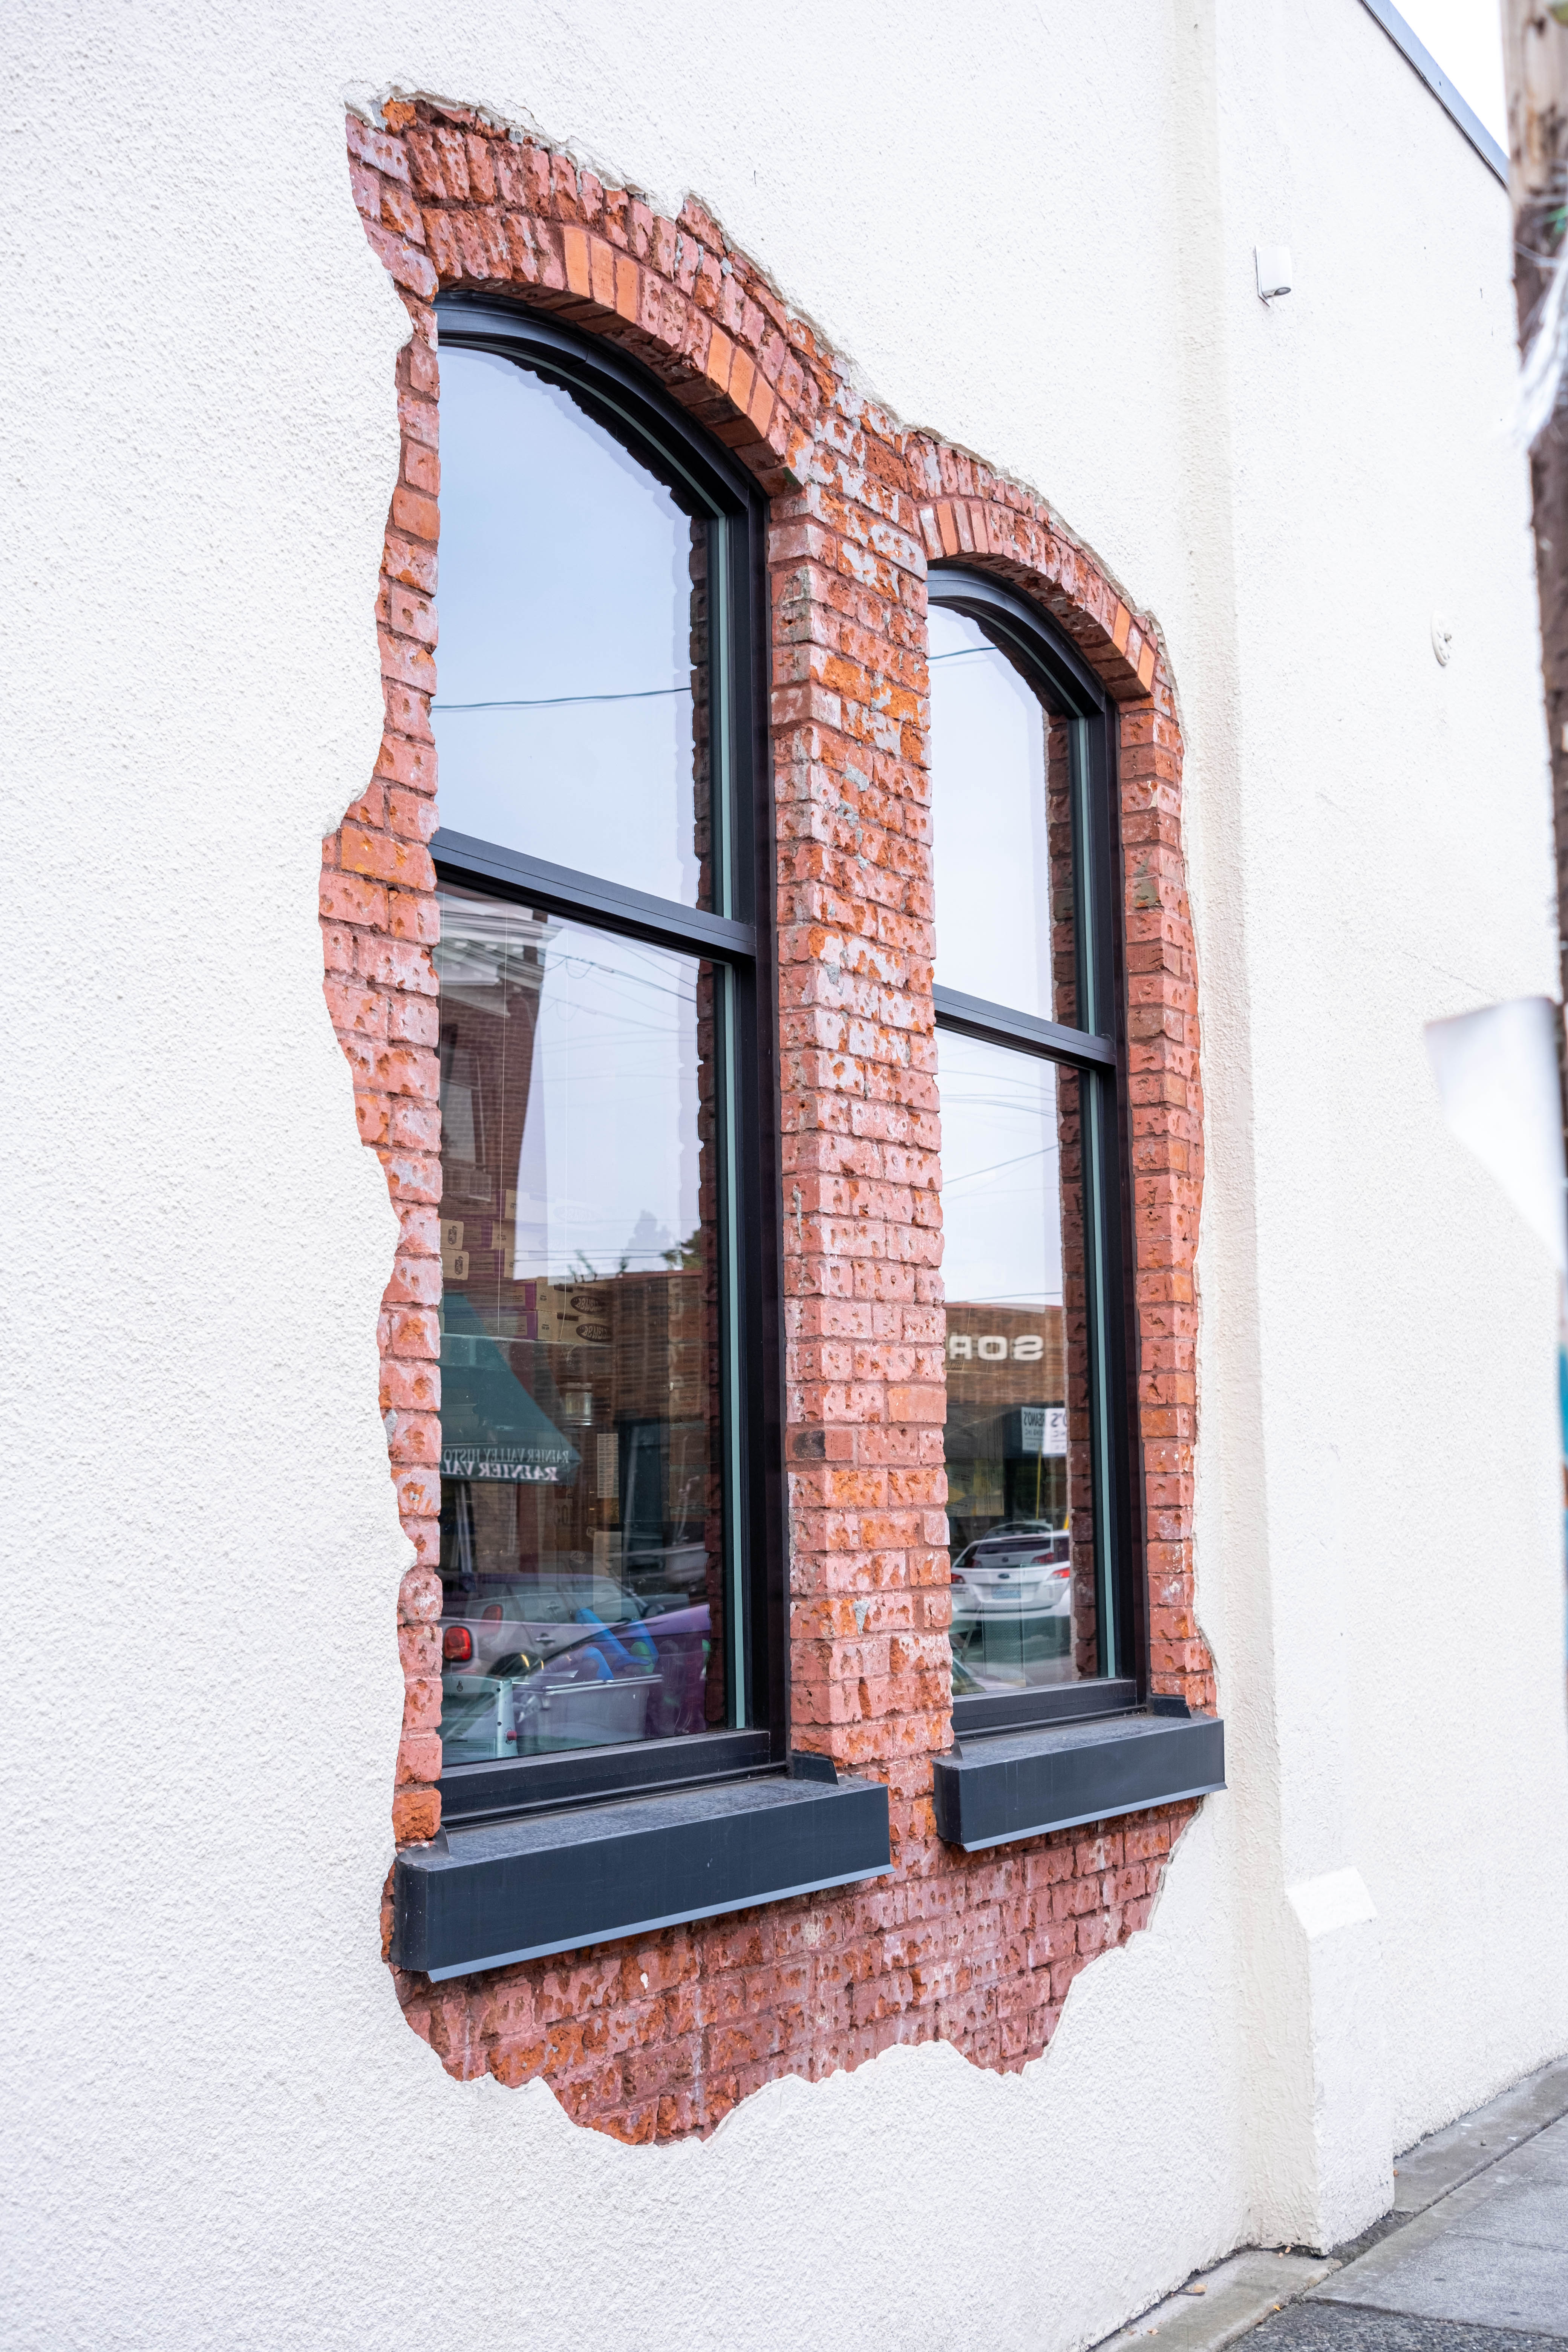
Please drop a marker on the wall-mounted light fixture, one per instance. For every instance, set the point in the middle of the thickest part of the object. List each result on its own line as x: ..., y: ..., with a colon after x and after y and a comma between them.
x: 1273, y: 263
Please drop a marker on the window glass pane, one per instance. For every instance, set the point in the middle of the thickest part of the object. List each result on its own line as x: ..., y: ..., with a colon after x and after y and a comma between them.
x: 1018, y: 1468
x: 581, y: 1510
x: 994, y: 824
x: 571, y: 708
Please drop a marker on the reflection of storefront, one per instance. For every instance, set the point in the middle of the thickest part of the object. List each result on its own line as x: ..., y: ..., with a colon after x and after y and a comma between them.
x: 548, y: 1367
x: 595, y: 1389
x: 1006, y: 1418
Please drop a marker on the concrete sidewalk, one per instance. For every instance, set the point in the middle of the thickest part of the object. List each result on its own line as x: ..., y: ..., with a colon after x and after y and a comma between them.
x: 1472, y: 2258
x: 1492, y: 2255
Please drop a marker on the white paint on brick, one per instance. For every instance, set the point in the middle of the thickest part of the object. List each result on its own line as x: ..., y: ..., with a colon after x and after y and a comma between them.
x: 1033, y: 231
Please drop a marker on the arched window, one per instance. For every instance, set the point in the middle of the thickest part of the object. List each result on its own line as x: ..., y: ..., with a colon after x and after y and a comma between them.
x: 607, y: 1221
x: 1041, y: 1492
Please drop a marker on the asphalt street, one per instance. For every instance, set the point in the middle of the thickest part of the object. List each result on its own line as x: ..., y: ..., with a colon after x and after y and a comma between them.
x: 1322, y: 2327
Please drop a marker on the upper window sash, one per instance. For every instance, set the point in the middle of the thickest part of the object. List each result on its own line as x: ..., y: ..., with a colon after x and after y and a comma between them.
x: 615, y: 401
x: 1063, y: 685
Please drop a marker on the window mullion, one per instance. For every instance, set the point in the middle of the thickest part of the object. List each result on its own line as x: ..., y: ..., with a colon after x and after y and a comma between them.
x: 533, y: 882
x: 1023, y: 1032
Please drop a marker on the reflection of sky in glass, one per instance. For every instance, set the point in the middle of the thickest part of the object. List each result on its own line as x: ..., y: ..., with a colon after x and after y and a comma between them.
x: 607, y: 1173
x: 607, y: 1176
x: 1001, y: 1199
x: 988, y: 821
x: 565, y: 587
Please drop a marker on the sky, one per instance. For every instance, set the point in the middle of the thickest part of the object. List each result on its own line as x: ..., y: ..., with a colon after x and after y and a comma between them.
x: 1466, y: 39
x: 988, y: 746
x: 564, y: 708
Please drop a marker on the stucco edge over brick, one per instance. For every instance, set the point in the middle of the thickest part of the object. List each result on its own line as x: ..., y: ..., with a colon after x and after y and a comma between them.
x: 663, y: 2040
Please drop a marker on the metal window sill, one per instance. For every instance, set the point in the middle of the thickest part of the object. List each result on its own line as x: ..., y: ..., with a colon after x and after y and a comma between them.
x: 1020, y: 1784
x: 486, y: 1896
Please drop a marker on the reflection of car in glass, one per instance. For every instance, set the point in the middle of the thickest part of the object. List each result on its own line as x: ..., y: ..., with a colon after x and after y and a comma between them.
x: 570, y: 1662
x: 540, y: 1612
x: 681, y: 1566
x: 1018, y: 1574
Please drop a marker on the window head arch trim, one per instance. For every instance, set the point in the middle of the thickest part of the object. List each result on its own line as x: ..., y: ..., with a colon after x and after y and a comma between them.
x: 1065, y: 682
x: 610, y: 379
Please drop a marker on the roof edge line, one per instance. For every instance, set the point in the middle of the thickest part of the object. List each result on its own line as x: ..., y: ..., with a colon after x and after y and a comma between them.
x: 1420, y: 58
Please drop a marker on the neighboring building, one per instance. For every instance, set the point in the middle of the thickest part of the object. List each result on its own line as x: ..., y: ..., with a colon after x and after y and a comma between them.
x: 954, y: 1703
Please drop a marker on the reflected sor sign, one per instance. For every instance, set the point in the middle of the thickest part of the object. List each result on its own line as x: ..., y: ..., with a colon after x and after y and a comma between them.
x: 993, y: 1349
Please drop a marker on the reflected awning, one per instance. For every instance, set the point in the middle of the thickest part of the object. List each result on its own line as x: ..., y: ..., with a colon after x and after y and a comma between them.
x: 491, y: 1429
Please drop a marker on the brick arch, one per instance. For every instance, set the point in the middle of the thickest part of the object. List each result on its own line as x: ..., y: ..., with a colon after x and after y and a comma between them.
x: 967, y: 510
x: 447, y: 200
x: 659, y: 2037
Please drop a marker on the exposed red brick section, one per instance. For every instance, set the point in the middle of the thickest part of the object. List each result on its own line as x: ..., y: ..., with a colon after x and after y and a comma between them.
x: 660, y: 2038
x: 378, y: 925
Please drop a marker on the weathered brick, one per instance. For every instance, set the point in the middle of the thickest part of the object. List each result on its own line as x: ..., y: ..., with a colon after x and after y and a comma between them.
x: 660, y: 2038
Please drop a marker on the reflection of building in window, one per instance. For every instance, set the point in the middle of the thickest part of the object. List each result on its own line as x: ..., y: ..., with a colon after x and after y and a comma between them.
x: 580, y: 1461
x: 461, y: 1129
x: 1006, y: 1418
x: 626, y: 1360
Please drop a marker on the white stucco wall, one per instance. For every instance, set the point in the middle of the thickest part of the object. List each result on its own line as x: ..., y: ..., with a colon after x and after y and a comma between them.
x: 1033, y: 231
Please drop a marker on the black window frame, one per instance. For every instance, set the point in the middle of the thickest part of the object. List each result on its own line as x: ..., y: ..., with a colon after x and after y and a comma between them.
x: 1067, y: 689
x: 652, y: 425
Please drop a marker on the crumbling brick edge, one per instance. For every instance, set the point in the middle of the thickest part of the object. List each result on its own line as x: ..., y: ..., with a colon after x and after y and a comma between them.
x: 660, y: 2038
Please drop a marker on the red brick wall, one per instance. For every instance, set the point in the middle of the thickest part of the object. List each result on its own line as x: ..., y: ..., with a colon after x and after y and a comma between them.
x: 660, y: 2037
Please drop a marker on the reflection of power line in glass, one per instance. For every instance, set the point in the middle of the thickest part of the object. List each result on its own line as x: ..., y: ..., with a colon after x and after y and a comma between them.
x: 971, y: 1175
x: 1025, y: 1298
x: 468, y: 959
x: 1027, y: 1100
x: 577, y: 965
x: 568, y: 701
x: 562, y: 1010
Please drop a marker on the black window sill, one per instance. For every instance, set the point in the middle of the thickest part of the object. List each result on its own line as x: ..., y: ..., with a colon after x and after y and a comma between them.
x: 640, y: 1768
x: 1028, y: 1710
x: 482, y: 1897
x: 1018, y: 1784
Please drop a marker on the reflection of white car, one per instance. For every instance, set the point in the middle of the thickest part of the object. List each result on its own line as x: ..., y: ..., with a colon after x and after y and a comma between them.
x: 1018, y: 1576
x: 682, y: 1567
